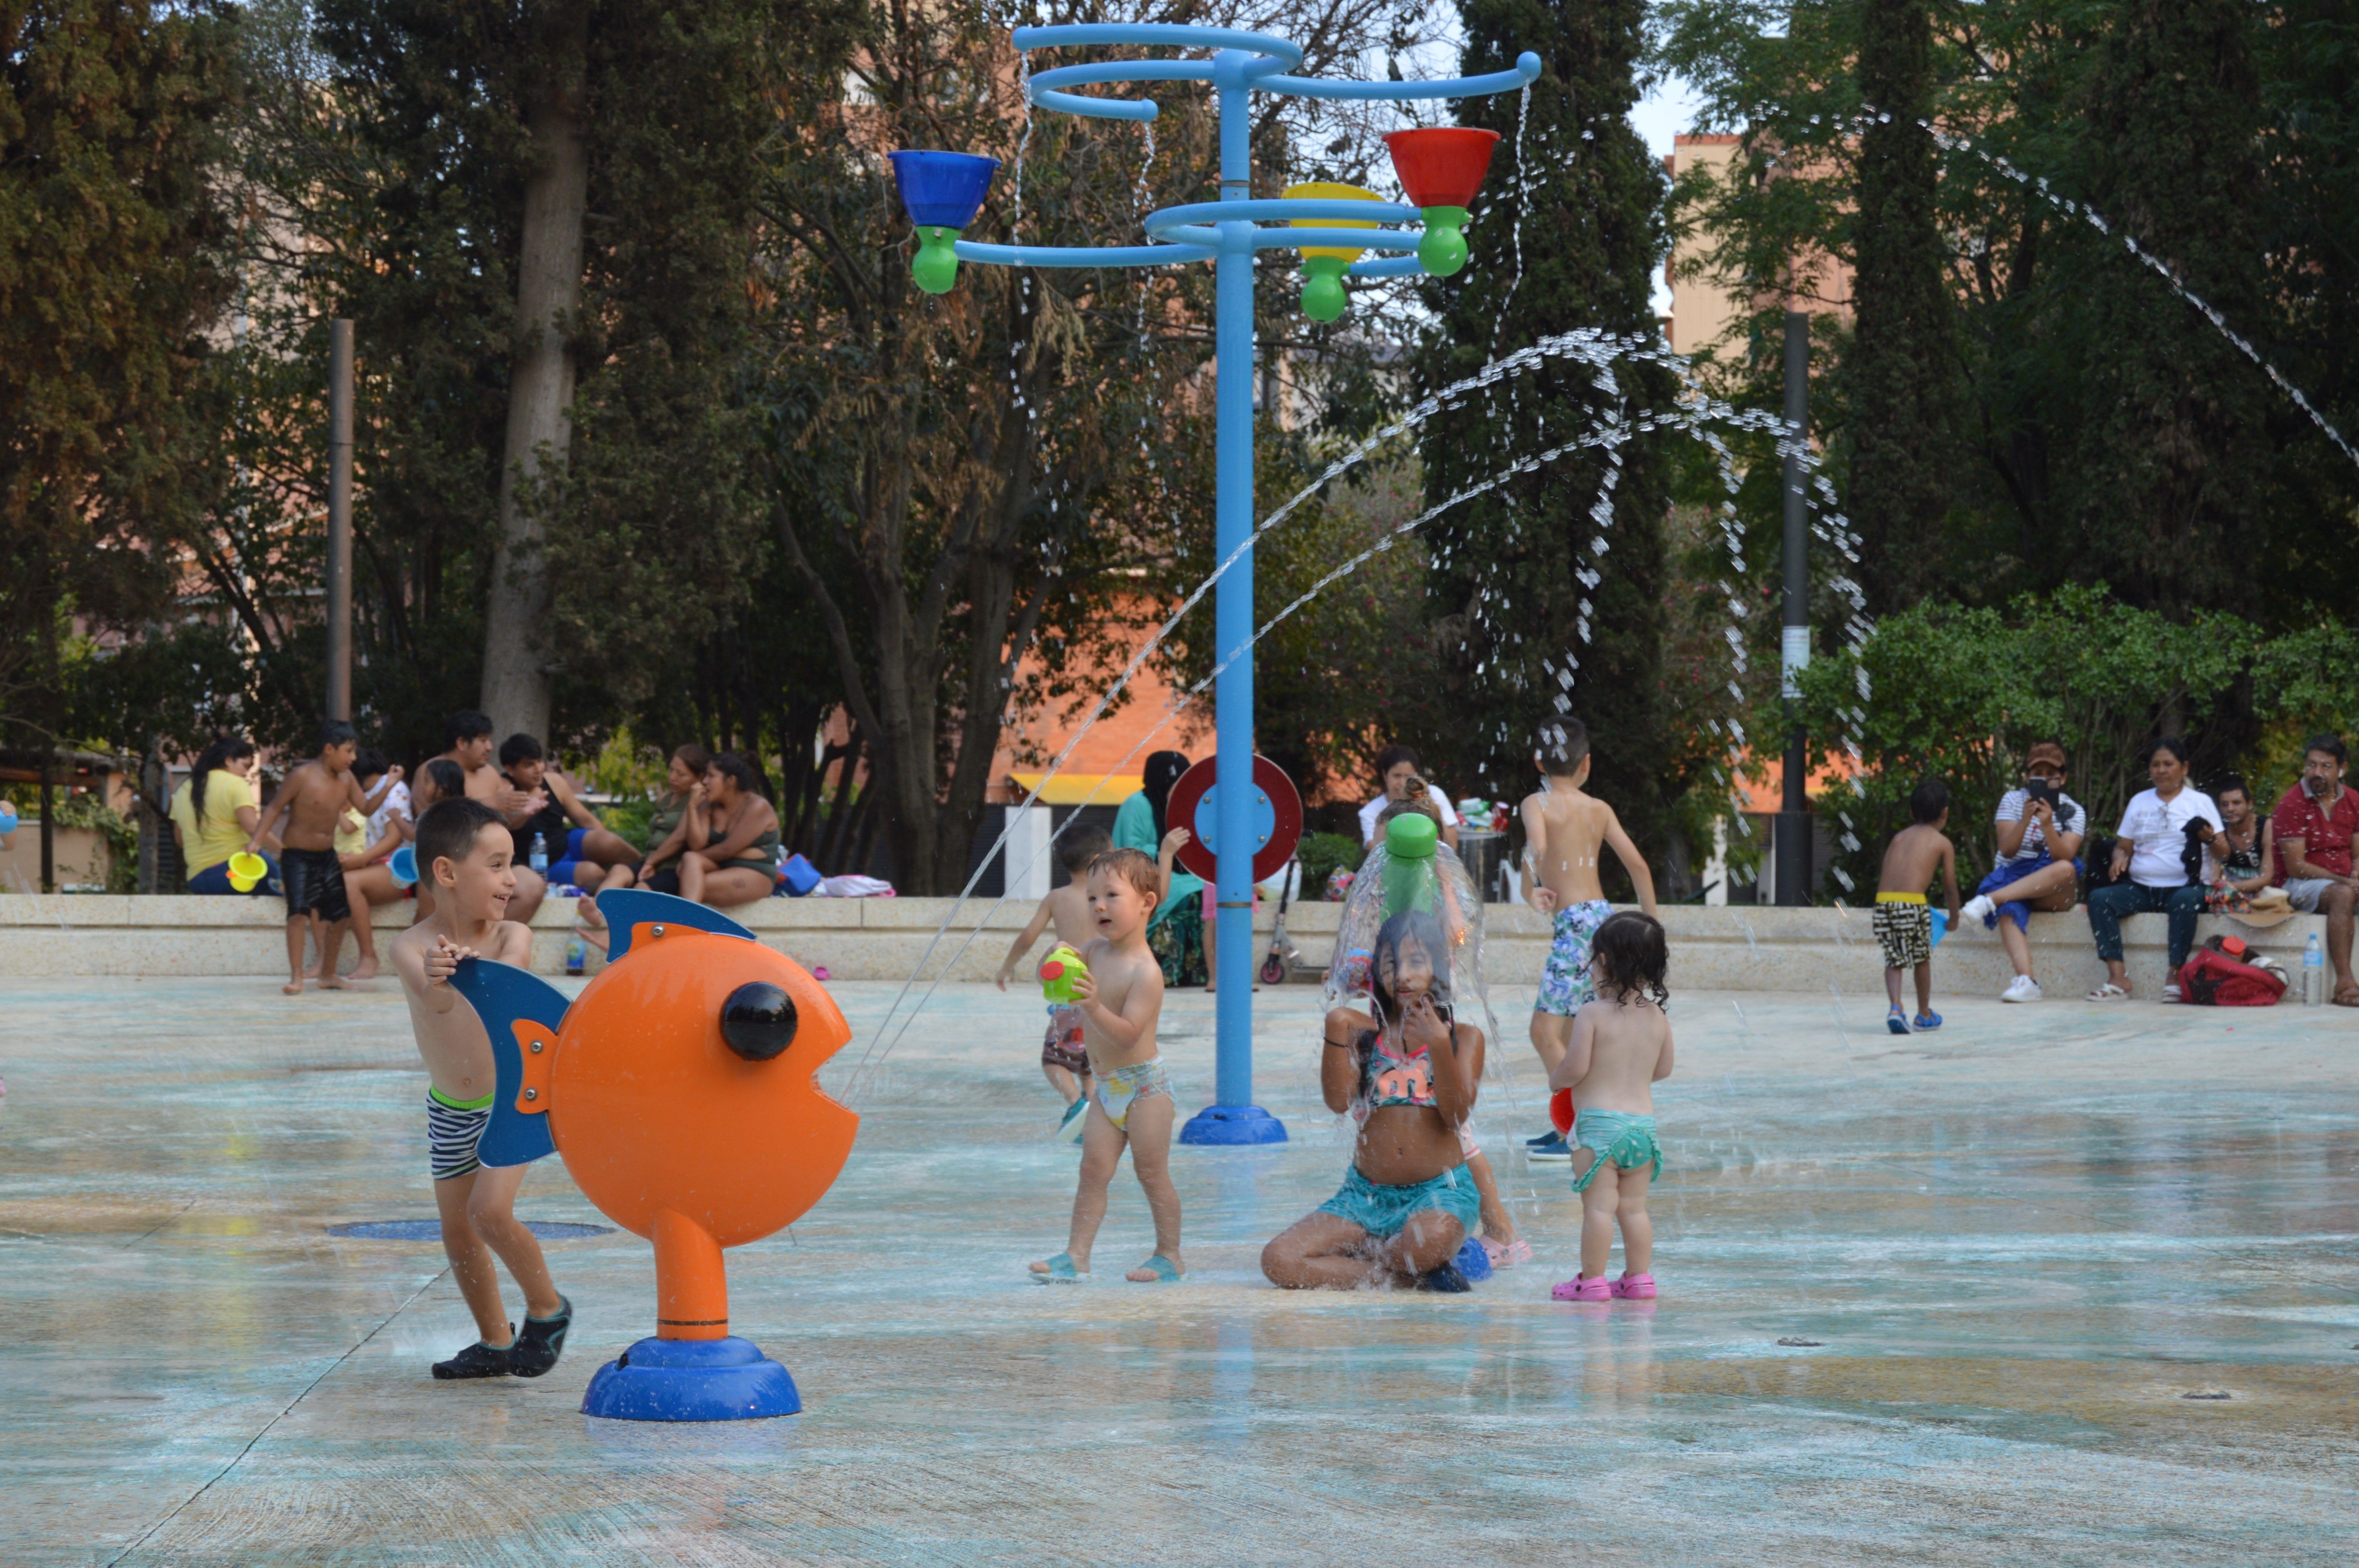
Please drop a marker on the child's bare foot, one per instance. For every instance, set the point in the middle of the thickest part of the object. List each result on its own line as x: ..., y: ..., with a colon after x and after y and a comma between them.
x: 292, y: 988
x: 334, y: 982
x: 364, y: 970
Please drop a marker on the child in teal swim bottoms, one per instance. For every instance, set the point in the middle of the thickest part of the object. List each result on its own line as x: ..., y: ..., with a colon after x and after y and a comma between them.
x: 1407, y: 1070
x: 1621, y: 1048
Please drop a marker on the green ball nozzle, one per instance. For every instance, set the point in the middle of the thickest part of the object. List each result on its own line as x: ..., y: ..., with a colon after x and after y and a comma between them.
x: 1323, y: 298
x: 1442, y: 251
x: 935, y: 267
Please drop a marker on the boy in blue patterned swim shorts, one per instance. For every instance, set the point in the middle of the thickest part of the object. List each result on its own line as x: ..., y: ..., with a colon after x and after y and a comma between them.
x: 1563, y: 828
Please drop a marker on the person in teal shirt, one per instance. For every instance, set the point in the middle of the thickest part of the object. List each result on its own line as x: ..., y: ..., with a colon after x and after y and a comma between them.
x: 1176, y: 933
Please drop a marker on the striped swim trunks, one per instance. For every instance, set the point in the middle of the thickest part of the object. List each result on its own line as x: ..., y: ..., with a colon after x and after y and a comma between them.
x: 453, y: 1128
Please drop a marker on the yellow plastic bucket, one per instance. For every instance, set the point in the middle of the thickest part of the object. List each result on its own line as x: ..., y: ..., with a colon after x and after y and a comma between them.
x: 1331, y: 191
x: 246, y: 869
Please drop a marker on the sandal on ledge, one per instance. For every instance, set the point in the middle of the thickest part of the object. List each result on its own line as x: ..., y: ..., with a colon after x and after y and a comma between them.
x: 1164, y: 1270
x: 1058, y: 1271
x: 2109, y: 992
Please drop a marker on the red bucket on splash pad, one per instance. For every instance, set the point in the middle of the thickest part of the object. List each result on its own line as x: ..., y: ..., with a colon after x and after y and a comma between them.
x: 1441, y: 169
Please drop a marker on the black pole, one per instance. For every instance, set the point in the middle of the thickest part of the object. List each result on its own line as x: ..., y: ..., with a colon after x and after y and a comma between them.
x: 340, y: 519
x: 49, y: 818
x: 1792, y: 838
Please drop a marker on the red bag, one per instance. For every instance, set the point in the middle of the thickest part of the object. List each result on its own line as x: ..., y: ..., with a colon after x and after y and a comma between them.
x: 2213, y: 979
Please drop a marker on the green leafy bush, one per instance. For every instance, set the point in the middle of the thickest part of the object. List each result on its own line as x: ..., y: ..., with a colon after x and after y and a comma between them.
x: 87, y: 811
x: 1321, y: 854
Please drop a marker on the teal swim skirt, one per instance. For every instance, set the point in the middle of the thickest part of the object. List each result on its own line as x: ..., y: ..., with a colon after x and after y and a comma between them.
x: 1383, y: 1210
x: 1628, y: 1141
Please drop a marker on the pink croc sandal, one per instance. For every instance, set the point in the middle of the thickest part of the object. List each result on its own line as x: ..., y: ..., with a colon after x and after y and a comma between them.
x: 1596, y: 1290
x: 1634, y: 1287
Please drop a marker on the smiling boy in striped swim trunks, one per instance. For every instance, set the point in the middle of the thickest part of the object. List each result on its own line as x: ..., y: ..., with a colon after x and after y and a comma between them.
x: 1903, y: 921
x: 465, y: 849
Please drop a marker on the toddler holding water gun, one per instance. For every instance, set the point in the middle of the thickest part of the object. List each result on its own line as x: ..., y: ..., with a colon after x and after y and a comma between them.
x: 1063, y: 1061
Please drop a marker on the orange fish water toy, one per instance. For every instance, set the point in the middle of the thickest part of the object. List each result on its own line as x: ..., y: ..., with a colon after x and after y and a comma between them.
x: 681, y: 1088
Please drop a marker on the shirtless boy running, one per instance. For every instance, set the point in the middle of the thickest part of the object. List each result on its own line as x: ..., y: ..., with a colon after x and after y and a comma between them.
x: 1120, y: 1000
x: 314, y: 797
x: 1562, y: 830
x: 1064, y: 1060
x: 464, y: 848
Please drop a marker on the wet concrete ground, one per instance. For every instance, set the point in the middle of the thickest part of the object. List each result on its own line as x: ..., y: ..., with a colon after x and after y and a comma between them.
x: 2016, y: 1248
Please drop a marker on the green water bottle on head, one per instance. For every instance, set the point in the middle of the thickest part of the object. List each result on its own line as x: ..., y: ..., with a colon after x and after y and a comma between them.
x: 1410, y: 840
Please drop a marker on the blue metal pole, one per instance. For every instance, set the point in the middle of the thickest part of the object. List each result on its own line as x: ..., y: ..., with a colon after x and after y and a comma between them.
x: 1234, y: 1117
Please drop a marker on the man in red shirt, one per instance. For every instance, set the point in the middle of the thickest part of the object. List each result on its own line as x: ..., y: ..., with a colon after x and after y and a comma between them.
x: 2315, y: 824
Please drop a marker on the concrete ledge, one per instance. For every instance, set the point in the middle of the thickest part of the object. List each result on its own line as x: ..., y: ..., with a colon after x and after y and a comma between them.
x: 1736, y: 948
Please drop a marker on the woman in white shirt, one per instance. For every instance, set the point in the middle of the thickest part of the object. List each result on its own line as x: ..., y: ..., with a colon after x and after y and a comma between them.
x: 1395, y: 767
x: 2152, y: 848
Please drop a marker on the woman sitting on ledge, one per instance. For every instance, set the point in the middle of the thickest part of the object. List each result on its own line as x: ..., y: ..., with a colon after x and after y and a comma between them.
x: 2039, y: 830
x: 733, y: 837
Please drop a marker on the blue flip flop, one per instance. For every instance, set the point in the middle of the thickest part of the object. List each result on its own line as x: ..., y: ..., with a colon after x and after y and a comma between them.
x: 1927, y: 1021
x: 1165, y: 1273
x: 1061, y: 1271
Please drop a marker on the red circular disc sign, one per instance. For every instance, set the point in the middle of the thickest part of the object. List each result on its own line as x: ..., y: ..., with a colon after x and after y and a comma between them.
x: 1277, y: 809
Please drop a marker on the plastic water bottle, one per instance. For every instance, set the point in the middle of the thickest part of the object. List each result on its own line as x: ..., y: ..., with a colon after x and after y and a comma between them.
x: 577, y: 954
x: 2313, y: 973
x: 538, y: 860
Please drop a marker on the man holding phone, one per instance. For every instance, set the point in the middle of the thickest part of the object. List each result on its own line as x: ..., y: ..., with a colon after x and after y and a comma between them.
x: 2314, y: 825
x: 2039, y: 832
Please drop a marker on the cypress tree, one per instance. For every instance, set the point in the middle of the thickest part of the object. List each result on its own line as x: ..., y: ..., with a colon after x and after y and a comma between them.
x: 2172, y: 455
x: 1545, y: 608
x: 1902, y: 368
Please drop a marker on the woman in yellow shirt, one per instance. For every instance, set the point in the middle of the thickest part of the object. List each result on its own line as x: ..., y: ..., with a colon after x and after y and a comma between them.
x: 215, y: 814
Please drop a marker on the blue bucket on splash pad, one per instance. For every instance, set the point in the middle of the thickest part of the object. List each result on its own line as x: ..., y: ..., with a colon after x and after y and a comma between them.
x: 942, y: 189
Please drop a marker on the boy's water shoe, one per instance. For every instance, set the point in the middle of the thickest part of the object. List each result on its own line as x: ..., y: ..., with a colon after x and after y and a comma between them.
x: 535, y: 1350
x: 1447, y: 1279
x: 478, y: 1360
x: 1069, y: 1130
x: 1554, y: 1148
x: 1896, y: 1021
x: 1927, y: 1022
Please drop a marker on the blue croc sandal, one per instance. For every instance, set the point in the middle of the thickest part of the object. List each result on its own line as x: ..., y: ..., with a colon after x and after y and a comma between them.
x: 1061, y: 1271
x: 1927, y: 1021
x: 1895, y: 1021
x: 1165, y: 1274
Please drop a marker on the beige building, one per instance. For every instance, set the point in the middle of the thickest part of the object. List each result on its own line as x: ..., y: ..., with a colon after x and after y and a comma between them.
x: 1705, y: 309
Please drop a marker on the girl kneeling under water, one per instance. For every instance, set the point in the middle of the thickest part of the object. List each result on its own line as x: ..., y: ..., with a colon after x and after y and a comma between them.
x: 1408, y: 1074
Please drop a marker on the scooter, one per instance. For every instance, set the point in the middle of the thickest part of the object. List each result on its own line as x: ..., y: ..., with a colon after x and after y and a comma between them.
x: 1280, y: 962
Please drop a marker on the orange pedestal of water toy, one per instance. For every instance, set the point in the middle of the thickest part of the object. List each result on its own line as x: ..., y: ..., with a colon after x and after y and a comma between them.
x: 681, y: 1090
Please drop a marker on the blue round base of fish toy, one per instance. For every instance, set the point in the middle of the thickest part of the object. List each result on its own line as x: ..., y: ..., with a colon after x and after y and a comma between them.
x: 691, y: 1380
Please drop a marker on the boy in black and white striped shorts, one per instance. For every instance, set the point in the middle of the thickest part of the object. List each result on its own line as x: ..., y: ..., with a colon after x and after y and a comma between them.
x: 465, y: 849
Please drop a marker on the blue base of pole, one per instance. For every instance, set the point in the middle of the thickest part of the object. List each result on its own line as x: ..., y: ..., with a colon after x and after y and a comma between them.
x: 691, y: 1380
x: 1233, y: 1124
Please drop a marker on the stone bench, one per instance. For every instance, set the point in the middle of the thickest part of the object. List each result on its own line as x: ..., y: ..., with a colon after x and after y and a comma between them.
x: 1731, y: 948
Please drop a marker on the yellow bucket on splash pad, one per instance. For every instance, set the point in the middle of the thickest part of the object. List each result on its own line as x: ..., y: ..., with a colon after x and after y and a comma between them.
x: 246, y: 869
x: 1323, y: 266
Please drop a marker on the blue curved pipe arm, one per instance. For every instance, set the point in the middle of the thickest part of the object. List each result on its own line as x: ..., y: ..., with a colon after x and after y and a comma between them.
x: 1153, y: 35
x: 1081, y: 255
x: 1281, y: 211
x: 1096, y: 108
x: 1386, y: 267
x: 1528, y: 68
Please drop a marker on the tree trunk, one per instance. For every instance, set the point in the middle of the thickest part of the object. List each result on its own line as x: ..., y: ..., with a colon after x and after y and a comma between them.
x: 540, y: 387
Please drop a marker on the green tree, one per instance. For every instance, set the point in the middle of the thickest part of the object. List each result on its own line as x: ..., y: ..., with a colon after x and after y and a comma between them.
x: 111, y: 232
x: 1903, y: 361
x: 1552, y: 589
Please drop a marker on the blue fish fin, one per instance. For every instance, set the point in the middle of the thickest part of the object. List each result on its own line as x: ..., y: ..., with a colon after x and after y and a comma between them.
x: 503, y: 996
x: 629, y: 906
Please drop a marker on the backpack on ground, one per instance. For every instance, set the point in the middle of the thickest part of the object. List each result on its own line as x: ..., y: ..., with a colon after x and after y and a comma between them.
x: 2216, y: 975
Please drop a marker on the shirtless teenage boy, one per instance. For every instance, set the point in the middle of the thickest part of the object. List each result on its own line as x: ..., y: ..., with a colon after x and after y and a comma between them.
x: 1563, y: 830
x: 1120, y: 999
x: 467, y: 741
x: 314, y: 798
x: 1064, y: 1060
x: 463, y: 847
